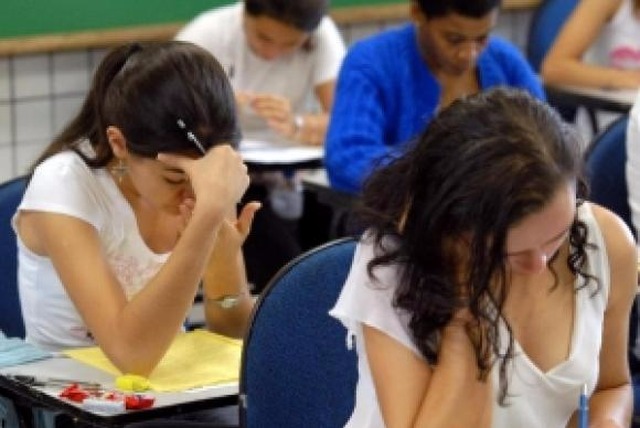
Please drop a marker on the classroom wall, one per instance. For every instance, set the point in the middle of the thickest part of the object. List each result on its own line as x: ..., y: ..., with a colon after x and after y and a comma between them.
x: 40, y: 93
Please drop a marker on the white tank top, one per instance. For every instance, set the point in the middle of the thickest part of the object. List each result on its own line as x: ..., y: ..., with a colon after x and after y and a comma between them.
x: 536, y: 398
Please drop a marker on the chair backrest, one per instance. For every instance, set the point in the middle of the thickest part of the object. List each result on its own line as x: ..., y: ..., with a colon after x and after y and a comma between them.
x: 296, y: 369
x: 545, y: 25
x: 605, y: 168
x: 10, y: 314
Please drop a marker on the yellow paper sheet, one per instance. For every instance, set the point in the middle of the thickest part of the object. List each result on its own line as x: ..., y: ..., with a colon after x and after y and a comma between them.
x: 197, y: 358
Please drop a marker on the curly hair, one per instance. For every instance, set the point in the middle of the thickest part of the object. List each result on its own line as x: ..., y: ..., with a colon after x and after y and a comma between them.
x: 481, y: 166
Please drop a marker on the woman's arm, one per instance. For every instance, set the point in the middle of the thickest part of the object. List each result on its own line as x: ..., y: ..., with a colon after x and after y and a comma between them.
x: 564, y: 64
x: 135, y: 334
x: 413, y: 394
x: 313, y: 127
x: 612, y: 401
x: 225, y: 276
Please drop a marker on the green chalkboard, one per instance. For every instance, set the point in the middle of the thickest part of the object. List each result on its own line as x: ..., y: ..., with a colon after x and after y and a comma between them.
x: 19, y: 18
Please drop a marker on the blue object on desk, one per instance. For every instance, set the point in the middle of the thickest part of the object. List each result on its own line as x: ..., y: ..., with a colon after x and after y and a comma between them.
x: 10, y: 314
x: 15, y: 351
x: 583, y: 409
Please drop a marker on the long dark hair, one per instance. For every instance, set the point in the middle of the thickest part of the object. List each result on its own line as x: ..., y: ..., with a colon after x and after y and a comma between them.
x: 144, y: 89
x: 480, y: 167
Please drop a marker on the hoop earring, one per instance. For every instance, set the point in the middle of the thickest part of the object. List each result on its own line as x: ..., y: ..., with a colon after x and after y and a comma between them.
x: 119, y: 170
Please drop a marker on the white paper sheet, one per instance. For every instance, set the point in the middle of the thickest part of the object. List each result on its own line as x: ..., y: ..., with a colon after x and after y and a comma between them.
x: 266, y: 152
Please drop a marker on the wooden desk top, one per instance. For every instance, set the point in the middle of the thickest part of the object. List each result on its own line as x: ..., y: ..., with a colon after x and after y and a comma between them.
x: 109, y: 38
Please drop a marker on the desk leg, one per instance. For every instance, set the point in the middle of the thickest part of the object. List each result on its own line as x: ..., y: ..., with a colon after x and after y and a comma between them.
x: 24, y: 415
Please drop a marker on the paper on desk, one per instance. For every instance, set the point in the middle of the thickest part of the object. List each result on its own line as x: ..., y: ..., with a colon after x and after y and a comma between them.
x: 195, y: 359
x: 266, y: 152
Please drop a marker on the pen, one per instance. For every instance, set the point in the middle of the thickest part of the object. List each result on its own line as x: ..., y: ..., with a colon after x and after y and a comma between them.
x: 54, y: 382
x: 583, y: 409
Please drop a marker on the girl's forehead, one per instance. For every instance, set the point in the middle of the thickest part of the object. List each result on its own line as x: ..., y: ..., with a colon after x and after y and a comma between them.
x: 550, y: 223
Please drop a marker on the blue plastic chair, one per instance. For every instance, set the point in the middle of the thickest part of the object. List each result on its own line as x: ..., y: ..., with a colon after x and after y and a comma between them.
x: 546, y: 23
x: 10, y: 313
x: 296, y: 370
x: 605, y: 167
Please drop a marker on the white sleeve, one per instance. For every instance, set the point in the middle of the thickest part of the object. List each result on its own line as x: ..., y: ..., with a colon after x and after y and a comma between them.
x: 633, y: 163
x: 330, y: 52
x: 198, y: 31
x: 63, y: 184
x: 365, y: 301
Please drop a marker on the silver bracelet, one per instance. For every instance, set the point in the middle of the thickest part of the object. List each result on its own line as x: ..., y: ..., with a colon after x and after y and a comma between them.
x: 298, y: 124
x: 228, y: 301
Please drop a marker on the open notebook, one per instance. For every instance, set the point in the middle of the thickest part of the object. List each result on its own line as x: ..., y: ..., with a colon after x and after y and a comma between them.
x: 195, y: 359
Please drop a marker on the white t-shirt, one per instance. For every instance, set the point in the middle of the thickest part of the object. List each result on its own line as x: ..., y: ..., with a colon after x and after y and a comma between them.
x: 64, y: 184
x: 536, y: 399
x: 294, y: 76
x: 618, y: 44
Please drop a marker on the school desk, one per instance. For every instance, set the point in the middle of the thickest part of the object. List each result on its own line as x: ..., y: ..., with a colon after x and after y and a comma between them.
x: 613, y: 100
x: 166, y: 404
x: 272, y: 156
x: 317, y: 182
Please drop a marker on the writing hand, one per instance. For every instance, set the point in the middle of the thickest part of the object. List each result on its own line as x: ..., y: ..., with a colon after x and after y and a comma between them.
x: 276, y: 111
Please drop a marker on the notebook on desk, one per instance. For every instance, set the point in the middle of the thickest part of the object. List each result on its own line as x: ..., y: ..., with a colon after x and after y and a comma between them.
x: 195, y: 359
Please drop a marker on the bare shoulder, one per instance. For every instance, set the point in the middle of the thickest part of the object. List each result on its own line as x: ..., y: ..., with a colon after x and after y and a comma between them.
x: 621, y: 250
x: 616, y: 233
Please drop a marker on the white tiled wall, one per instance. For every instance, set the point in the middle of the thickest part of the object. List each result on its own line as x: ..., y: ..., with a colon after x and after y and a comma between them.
x: 40, y: 93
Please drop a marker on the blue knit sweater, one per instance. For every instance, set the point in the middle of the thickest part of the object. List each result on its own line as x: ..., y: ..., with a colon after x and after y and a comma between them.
x: 386, y: 95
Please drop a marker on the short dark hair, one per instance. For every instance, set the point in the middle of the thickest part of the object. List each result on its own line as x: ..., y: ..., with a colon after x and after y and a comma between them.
x: 304, y: 15
x: 473, y: 8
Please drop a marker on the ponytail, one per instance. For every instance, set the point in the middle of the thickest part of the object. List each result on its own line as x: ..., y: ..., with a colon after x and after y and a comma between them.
x: 89, y: 123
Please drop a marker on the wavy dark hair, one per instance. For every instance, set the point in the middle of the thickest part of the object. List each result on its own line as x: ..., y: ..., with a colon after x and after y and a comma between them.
x: 143, y: 89
x: 473, y: 9
x: 480, y: 167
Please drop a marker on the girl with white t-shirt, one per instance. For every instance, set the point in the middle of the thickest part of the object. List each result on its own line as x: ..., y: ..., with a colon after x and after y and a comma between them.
x: 486, y: 291
x: 282, y: 58
x: 132, y: 206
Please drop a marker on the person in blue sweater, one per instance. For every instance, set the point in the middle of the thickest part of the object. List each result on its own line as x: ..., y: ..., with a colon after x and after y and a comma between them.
x: 393, y: 83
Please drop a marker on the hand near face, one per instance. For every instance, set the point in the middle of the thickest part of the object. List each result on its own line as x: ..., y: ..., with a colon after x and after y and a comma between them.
x: 218, y: 179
